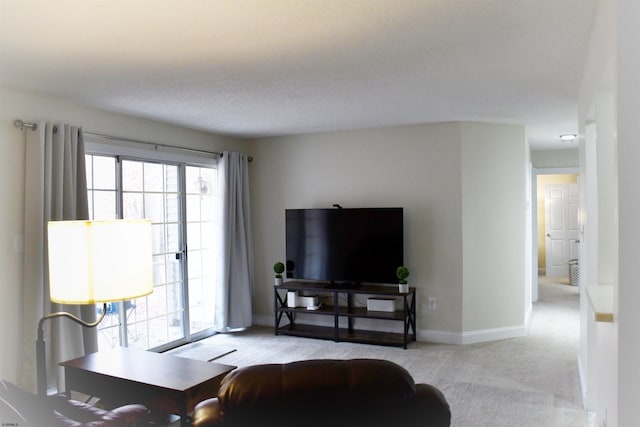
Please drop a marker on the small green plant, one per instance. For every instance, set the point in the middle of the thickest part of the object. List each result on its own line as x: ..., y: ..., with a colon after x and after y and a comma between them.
x: 402, y: 273
x: 278, y: 267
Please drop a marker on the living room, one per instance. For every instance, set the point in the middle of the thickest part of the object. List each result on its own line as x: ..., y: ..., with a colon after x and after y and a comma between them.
x: 463, y: 185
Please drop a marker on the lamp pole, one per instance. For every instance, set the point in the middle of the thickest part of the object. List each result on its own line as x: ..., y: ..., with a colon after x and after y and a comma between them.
x: 41, y: 363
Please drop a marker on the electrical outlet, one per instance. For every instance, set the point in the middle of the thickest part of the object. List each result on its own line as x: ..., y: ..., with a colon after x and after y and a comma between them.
x: 432, y: 303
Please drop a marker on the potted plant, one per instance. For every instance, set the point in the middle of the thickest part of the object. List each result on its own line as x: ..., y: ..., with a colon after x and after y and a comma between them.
x: 402, y: 273
x: 278, y: 268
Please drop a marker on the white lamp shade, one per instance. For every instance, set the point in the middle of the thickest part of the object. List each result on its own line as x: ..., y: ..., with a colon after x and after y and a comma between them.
x: 99, y: 261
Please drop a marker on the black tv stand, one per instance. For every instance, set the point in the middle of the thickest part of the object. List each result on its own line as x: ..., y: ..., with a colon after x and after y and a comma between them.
x: 348, y: 310
x: 343, y: 285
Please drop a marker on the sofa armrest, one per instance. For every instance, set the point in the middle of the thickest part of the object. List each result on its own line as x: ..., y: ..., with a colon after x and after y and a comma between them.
x: 207, y: 413
x: 72, y: 412
x: 432, y: 406
x: 19, y: 407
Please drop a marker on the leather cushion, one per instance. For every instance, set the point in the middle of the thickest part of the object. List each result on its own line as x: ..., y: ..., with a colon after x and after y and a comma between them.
x: 315, y: 383
x: 18, y: 407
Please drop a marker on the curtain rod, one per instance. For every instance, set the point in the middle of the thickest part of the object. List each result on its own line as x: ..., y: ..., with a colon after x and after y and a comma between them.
x: 155, y: 144
x: 33, y: 126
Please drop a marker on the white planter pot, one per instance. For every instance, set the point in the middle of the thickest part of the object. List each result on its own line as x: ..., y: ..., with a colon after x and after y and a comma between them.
x: 278, y: 281
x: 403, y: 288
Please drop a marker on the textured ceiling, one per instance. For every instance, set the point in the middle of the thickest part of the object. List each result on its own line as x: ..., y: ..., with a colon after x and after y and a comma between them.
x: 254, y: 68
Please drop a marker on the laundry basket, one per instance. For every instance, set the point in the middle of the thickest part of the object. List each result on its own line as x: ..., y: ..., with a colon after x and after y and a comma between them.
x: 574, y: 272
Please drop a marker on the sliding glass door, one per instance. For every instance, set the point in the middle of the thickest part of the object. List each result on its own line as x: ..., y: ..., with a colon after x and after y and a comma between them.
x: 201, y: 185
x: 179, y: 199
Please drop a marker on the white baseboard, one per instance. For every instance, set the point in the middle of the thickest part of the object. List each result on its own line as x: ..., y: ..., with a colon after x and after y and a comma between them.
x: 473, y: 337
x: 495, y: 334
x: 582, y: 376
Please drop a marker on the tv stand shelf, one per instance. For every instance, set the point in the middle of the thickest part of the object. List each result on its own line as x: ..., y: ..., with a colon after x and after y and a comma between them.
x: 406, y: 315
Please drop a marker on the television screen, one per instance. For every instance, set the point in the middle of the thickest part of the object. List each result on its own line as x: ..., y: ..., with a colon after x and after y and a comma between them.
x: 362, y: 245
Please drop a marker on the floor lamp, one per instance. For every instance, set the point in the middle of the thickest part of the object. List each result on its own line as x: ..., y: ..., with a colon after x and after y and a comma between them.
x: 94, y: 262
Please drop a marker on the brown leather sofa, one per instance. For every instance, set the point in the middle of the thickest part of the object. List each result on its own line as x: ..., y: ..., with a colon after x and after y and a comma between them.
x: 356, y: 392
x: 23, y: 409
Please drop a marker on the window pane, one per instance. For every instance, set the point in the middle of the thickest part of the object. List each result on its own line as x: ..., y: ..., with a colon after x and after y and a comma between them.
x: 158, y: 332
x: 174, y: 302
x: 157, y: 301
x: 173, y: 269
x: 104, y: 205
x: 193, y: 208
x: 173, y: 238
x: 153, y: 177
x: 207, y: 208
x: 210, y: 176
x: 195, y: 264
x: 193, y: 181
x: 138, y: 311
x: 132, y: 206
x: 171, y: 184
x: 138, y: 335
x: 195, y: 238
x: 172, y: 207
x: 159, y: 269
x: 208, y: 235
x: 131, y: 176
x: 108, y: 336
x: 104, y: 173
x: 153, y: 207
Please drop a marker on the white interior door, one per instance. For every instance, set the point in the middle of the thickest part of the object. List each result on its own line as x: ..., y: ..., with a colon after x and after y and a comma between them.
x: 562, y: 229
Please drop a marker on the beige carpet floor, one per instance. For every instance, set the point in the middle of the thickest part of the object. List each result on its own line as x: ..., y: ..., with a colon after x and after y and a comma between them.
x: 530, y: 381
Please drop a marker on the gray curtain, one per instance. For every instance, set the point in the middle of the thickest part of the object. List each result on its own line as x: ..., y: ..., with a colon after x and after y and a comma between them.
x: 55, y: 189
x: 235, y: 264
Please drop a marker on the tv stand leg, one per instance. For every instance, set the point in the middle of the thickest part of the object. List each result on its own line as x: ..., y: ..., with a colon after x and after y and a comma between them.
x: 350, y: 306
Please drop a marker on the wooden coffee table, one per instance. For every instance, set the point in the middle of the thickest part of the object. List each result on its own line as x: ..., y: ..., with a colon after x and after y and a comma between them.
x: 162, y: 382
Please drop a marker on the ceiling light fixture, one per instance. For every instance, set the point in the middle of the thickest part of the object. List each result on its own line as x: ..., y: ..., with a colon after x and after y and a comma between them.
x: 568, y: 137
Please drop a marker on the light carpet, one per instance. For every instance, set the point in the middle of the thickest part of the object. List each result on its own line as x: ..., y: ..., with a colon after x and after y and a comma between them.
x: 529, y: 381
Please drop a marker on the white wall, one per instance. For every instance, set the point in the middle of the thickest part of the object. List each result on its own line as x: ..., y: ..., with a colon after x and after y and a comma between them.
x: 629, y: 208
x: 414, y: 167
x: 494, y: 200
x: 608, y: 117
x: 596, y: 117
x: 555, y: 158
x: 419, y: 168
x: 16, y: 105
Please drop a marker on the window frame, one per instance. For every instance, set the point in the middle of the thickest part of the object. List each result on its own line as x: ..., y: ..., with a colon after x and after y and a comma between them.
x: 123, y: 149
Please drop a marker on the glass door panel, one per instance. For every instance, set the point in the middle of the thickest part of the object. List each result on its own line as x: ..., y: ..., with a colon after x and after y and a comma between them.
x: 150, y: 190
x: 201, y: 185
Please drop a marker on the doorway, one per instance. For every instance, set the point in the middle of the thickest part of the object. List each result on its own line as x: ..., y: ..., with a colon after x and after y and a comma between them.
x: 540, y: 179
x: 562, y: 231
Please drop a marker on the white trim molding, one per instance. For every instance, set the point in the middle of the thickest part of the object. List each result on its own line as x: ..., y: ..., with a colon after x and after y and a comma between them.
x: 495, y: 334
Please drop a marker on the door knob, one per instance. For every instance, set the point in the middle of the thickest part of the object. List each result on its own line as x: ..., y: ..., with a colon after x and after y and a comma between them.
x: 548, y: 235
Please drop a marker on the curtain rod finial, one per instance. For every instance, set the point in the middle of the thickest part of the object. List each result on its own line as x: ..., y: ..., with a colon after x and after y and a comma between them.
x: 21, y: 125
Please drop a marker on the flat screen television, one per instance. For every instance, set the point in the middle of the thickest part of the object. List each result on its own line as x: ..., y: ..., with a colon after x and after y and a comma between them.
x: 344, y: 246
